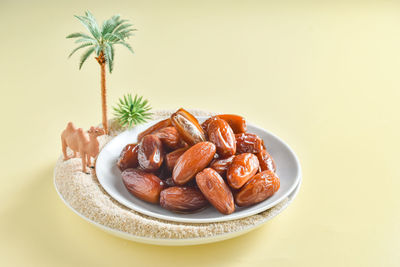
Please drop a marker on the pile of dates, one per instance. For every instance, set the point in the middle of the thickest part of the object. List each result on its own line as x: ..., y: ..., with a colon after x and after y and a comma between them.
x: 185, y: 166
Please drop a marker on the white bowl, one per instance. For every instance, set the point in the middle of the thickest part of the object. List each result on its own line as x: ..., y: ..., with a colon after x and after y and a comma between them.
x: 109, y: 176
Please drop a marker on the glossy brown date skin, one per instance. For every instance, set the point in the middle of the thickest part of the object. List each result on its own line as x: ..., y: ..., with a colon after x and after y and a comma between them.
x: 169, y: 136
x: 260, y: 187
x: 143, y: 185
x: 267, y: 163
x: 236, y: 122
x: 188, y: 127
x: 154, y: 128
x: 128, y: 157
x: 221, y: 165
x: 215, y: 190
x: 192, y: 161
x: 242, y: 168
x: 220, y: 133
x: 172, y: 157
x: 207, y: 122
x: 150, y: 153
x: 248, y: 143
x: 182, y: 199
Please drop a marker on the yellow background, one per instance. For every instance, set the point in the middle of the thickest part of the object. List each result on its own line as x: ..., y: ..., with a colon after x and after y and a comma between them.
x: 324, y: 76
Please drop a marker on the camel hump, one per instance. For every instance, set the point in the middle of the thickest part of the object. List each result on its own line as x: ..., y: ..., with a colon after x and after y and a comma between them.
x: 71, y: 126
x: 70, y: 129
x: 82, y: 135
x: 80, y: 132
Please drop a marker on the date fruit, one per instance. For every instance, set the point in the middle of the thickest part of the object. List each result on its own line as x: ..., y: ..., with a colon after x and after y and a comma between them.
x: 188, y: 127
x: 182, y: 199
x: 192, y: 161
x: 172, y: 157
x: 221, y: 165
x: 248, y: 143
x: 215, y: 190
x: 220, y: 133
x: 143, y: 185
x: 242, y: 168
x: 154, y: 128
x: 266, y: 161
x: 128, y: 157
x: 260, y: 187
x: 169, y: 136
x: 151, y: 153
x: 236, y: 122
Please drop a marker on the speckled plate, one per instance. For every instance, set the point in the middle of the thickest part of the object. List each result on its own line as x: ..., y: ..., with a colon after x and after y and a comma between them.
x: 288, y: 169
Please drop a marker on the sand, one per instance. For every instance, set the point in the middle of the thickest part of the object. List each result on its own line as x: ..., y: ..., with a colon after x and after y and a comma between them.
x: 87, y: 197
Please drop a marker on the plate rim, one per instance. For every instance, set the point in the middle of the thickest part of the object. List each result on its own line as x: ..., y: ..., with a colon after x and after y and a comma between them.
x: 143, y: 211
x: 176, y: 241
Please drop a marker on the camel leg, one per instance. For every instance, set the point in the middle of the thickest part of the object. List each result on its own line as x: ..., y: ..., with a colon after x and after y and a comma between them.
x: 74, y: 154
x: 64, y: 149
x: 88, y: 160
x: 83, y: 156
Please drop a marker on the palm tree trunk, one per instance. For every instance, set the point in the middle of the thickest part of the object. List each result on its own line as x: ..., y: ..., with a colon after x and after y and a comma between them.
x: 102, y: 63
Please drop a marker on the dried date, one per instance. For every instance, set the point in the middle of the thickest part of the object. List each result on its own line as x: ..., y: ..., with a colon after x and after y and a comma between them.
x: 215, y: 190
x: 128, y: 157
x: 260, y: 187
x: 221, y: 134
x: 182, y: 199
x: 192, y: 161
x: 151, y: 153
x: 143, y: 185
x: 188, y: 127
x: 242, y: 168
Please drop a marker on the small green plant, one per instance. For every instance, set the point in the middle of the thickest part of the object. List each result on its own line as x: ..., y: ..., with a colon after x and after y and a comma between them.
x: 101, y: 41
x: 131, y: 112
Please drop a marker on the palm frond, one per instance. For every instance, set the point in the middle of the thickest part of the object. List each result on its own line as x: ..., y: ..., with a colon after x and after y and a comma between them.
x: 87, y: 40
x: 126, y: 31
x: 79, y: 47
x: 86, y: 23
x: 124, y: 34
x: 117, y: 36
x: 126, y: 45
x: 91, y: 25
x: 97, y: 50
x: 111, y: 37
x: 102, y: 39
x: 110, y: 24
x: 93, y: 21
x: 85, y: 56
x: 111, y: 50
x: 109, y: 54
x: 122, y: 27
x: 116, y: 17
x: 107, y: 26
x: 79, y: 34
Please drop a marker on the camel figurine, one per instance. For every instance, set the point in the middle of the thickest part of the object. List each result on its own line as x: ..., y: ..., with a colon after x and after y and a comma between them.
x: 84, y: 143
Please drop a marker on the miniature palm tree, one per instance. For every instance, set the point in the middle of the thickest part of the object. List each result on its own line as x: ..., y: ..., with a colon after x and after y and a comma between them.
x: 101, y: 41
